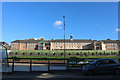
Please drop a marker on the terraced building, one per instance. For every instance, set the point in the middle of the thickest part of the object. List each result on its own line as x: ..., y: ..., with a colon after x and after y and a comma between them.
x: 67, y: 44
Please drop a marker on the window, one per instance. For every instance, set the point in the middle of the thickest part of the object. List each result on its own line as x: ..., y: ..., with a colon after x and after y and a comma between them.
x: 111, y: 62
x: 102, y: 62
x: 97, y: 48
x: 106, y: 62
x: 97, y: 44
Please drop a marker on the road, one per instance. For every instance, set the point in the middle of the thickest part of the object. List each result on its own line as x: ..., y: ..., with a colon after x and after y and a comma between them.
x: 57, y: 75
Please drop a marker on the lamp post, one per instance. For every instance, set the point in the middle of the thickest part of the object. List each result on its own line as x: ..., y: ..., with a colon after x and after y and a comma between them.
x: 64, y: 34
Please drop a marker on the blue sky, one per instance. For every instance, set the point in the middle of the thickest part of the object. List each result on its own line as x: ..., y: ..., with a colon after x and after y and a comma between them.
x: 85, y: 20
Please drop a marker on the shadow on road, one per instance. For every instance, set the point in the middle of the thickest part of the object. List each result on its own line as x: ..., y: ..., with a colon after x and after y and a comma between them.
x: 57, y: 75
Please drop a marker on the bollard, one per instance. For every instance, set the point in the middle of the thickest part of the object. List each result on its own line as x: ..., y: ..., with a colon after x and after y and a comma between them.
x: 48, y: 65
x: 13, y: 65
x: 30, y: 65
x: 67, y: 64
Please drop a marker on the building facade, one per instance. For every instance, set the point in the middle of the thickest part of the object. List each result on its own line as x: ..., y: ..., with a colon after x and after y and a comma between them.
x: 74, y: 44
x: 67, y: 44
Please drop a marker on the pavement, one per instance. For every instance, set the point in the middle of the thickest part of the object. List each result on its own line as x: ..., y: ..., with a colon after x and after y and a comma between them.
x: 57, y: 75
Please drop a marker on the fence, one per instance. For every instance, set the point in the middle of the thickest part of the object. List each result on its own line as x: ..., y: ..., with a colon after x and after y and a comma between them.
x: 42, y: 63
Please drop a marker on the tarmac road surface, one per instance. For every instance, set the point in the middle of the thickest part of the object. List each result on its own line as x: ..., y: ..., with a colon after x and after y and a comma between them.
x: 57, y: 75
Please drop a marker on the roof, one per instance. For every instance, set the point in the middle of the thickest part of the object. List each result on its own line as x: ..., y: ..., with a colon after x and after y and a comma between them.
x: 60, y: 40
x: 27, y: 41
x: 110, y: 41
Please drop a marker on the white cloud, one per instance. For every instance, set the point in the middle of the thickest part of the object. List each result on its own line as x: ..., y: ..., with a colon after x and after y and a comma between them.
x: 117, y: 29
x: 57, y: 23
x: 60, y: 27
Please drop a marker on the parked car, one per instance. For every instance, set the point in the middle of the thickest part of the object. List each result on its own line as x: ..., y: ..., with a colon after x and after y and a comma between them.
x: 102, y: 66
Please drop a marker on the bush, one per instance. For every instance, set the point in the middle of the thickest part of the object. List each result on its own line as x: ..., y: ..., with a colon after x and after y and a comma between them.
x: 53, y: 53
x: 23, y: 53
x: 77, y: 53
x: 16, y: 53
x: 61, y: 54
x: 107, y: 53
x: 92, y: 54
x: 100, y: 53
x: 69, y: 54
x: 31, y: 53
x: 38, y: 53
x: 46, y: 53
x: 85, y: 54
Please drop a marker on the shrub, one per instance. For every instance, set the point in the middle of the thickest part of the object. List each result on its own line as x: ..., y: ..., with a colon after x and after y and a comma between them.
x: 23, y: 53
x: 31, y: 53
x: 38, y: 53
x: 16, y: 53
x: 53, y: 53
x: 61, y: 54
x: 77, y: 53
x: 69, y: 54
x: 46, y: 53
x: 92, y: 54
x: 107, y: 53
x: 100, y: 53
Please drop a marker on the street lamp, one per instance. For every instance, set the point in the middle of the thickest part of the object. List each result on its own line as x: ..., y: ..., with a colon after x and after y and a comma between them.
x: 64, y: 34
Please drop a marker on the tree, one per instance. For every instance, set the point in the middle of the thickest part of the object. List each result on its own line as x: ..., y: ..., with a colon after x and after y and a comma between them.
x: 42, y: 39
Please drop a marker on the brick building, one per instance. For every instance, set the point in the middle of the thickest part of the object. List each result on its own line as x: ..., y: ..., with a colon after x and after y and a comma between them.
x: 111, y: 44
x: 70, y: 44
x: 75, y: 44
x: 28, y: 45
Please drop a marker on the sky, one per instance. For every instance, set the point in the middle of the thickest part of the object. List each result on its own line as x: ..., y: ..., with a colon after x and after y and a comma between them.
x: 85, y: 20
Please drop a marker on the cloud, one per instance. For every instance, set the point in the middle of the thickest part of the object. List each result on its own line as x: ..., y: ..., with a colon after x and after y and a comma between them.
x: 117, y: 29
x: 57, y: 23
x: 60, y: 27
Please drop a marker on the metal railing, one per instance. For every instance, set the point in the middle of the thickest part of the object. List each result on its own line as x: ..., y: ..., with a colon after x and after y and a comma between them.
x: 48, y: 61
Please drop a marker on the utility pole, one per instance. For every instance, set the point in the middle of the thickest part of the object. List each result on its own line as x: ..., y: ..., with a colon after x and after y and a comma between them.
x: 64, y: 33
